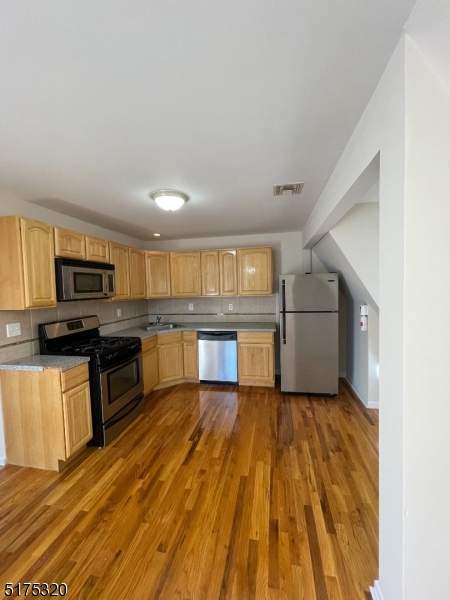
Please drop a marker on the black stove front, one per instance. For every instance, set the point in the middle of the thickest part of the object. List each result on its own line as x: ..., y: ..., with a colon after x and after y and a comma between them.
x: 115, y: 371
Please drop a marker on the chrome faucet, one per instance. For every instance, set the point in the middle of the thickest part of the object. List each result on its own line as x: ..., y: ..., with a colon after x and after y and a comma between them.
x: 158, y: 319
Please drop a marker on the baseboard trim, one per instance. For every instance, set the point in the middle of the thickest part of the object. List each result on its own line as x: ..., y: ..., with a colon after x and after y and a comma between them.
x: 358, y: 396
x: 342, y: 374
x: 376, y: 591
x: 2, y: 461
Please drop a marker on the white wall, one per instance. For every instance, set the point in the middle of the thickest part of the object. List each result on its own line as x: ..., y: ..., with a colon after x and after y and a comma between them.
x: 381, y: 132
x: 358, y: 236
x: 361, y: 347
x: 11, y: 205
x: 427, y: 333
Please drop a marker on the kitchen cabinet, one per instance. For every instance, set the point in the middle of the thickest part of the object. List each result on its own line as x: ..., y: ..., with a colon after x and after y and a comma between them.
x: 150, y: 363
x: 47, y: 415
x: 138, y: 288
x: 256, y: 358
x: 97, y: 249
x: 190, y: 355
x: 27, y: 266
x: 254, y: 271
x: 185, y: 274
x: 69, y: 244
x: 170, y: 358
x: 209, y: 261
x: 158, y: 274
x: 119, y: 257
x: 228, y: 273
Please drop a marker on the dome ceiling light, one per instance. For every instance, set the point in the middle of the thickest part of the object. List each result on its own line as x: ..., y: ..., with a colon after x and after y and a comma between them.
x: 169, y: 199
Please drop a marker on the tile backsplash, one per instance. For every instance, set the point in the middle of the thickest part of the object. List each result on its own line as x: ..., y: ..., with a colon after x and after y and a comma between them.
x: 213, y: 310
x: 134, y: 312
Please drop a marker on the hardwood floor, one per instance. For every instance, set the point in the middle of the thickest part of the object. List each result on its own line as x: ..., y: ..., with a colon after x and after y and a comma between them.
x: 213, y: 493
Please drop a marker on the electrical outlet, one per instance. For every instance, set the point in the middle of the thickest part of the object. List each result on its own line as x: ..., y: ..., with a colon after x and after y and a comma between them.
x: 119, y: 312
x: 230, y: 307
x: 13, y: 329
x: 191, y: 306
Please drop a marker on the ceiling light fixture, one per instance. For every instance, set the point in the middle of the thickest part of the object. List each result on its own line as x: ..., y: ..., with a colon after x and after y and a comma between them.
x: 169, y: 199
x: 157, y: 234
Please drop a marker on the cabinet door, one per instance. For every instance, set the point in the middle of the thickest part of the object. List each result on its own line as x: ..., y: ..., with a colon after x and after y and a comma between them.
x: 158, y: 274
x: 137, y: 273
x: 210, y: 273
x: 150, y: 368
x: 185, y: 273
x: 228, y: 273
x: 77, y: 417
x: 256, y: 364
x: 119, y: 258
x: 170, y: 362
x: 255, y: 271
x: 69, y: 244
x: 97, y: 249
x: 190, y: 357
x: 38, y: 263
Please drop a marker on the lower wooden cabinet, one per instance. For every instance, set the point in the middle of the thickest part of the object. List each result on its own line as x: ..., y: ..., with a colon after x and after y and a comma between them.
x: 47, y: 415
x: 190, y: 355
x: 150, y: 363
x: 77, y: 417
x: 170, y: 357
x: 256, y: 360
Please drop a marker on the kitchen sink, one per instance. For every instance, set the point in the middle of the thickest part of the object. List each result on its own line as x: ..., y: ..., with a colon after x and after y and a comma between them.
x: 163, y: 327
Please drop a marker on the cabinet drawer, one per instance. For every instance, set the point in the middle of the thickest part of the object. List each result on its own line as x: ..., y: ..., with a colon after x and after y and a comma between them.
x: 189, y: 336
x: 169, y: 338
x: 74, y: 377
x: 149, y: 344
x: 255, y: 337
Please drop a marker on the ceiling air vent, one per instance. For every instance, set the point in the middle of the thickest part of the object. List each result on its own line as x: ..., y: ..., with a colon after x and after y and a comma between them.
x: 287, y: 189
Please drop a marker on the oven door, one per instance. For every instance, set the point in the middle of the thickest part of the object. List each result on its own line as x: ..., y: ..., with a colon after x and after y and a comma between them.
x: 120, y: 385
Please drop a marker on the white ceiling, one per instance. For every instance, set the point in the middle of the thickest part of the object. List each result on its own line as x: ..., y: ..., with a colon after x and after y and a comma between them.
x: 103, y: 101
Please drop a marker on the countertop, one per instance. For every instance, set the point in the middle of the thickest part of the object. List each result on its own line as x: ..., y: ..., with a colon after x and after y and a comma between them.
x: 141, y: 332
x: 39, y: 362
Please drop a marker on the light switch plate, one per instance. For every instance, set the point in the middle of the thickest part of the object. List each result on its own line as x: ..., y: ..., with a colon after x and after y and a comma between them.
x: 119, y: 312
x: 191, y: 306
x: 13, y: 329
x: 230, y: 307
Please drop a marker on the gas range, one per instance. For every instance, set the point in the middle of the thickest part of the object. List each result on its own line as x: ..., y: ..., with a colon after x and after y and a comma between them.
x: 115, y: 371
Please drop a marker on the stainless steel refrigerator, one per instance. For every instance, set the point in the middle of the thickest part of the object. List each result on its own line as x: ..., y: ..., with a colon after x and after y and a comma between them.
x: 309, y: 345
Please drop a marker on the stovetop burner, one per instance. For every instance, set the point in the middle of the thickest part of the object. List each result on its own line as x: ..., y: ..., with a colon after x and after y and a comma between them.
x: 96, y: 345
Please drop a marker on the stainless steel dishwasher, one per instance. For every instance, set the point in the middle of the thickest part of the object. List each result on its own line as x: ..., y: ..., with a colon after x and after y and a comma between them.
x: 217, y: 356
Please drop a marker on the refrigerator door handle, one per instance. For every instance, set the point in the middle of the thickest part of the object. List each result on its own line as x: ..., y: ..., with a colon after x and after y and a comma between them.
x: 283, y: 295
x: 284, y: 327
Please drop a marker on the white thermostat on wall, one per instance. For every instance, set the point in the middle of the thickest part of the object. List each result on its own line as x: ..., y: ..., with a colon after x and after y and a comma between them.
x: 364, y: 310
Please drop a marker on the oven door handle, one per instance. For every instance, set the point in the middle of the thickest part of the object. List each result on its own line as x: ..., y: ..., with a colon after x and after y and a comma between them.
x: 120, y: 361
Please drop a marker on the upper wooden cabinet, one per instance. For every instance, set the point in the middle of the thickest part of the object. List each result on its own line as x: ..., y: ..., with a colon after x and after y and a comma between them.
x: 97, y: 249
x: 137, y: 273
x: 210, y: 273
x: 228, y: 273
x: 158, y: 274
x: 27, y: 269
x: 255, y: 271
x: 185, y: 274
x: 119, y: 257
x: 69, y: 244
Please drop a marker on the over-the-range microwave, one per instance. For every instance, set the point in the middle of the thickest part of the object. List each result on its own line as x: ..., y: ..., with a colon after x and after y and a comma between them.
x: 83, y: 280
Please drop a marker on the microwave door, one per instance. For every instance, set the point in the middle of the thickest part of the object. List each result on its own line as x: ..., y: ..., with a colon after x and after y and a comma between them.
x: 86, y: 283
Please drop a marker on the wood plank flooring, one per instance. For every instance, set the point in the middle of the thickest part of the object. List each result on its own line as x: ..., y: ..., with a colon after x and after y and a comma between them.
x: 214, y: 493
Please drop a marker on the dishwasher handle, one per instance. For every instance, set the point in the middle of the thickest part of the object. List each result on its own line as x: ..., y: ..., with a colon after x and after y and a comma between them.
x: 218, y: 336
